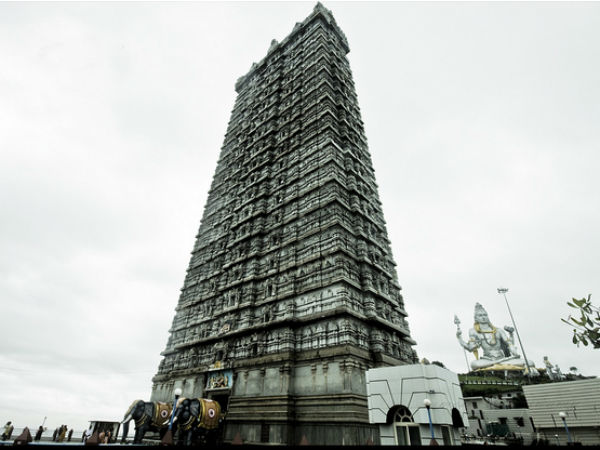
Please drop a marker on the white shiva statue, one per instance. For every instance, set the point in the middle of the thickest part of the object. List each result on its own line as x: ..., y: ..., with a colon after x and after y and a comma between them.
x: 499, y: 351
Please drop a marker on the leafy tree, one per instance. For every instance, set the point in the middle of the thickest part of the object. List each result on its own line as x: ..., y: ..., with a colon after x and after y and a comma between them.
x: 438, y: 363
x: 573, y: 369
x: 587, y: 327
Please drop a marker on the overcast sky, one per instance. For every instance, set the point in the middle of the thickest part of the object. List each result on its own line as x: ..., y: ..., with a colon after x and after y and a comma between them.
x: 483, y: 125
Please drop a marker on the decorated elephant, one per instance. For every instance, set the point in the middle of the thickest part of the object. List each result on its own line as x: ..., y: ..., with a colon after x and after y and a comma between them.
x: 197, y: 420
x: 148, y: 416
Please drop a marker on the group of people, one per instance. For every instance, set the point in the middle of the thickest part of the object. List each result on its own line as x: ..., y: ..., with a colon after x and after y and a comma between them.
x: 8, y: 429
x: 60, y: 434
x: 104, y: 437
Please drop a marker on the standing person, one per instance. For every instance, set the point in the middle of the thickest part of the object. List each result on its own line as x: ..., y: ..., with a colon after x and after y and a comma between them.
x: 62, y: 433
x: 54, y: 435
x: 38, y: 434
x: 8, y: 429
x: 87, y: 434
x: 70, y: 435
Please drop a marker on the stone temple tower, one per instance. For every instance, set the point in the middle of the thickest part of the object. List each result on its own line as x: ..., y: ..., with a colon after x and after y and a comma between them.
x: 291, y: 291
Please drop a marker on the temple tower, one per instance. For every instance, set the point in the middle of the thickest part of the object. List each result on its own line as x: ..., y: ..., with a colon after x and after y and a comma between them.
x: 291, y: 292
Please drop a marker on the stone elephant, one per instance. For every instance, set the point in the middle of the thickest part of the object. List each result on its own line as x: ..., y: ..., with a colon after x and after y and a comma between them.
x: 148, y: 416
x: 197, y: 420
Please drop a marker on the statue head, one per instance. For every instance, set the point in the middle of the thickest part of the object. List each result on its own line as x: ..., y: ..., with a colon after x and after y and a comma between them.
x: 481, y: 315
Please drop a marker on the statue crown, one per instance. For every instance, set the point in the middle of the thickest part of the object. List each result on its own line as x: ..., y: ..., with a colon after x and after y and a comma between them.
x: 479, y: 308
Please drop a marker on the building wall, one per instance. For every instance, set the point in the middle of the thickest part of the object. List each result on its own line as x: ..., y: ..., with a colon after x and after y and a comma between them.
x: 409, y: 385
x: 482, y: 411
x: 517, y: 421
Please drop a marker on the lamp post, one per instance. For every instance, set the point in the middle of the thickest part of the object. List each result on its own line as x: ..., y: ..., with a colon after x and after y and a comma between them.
x: 503, y: 291
x: 427, y: 404
x: 177, y: 393
x: 563, y: 417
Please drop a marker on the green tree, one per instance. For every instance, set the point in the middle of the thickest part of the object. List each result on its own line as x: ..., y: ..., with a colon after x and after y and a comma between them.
x: 587, y: 327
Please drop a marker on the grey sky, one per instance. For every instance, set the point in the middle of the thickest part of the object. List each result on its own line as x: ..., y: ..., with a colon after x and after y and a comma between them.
x: 482, y: 121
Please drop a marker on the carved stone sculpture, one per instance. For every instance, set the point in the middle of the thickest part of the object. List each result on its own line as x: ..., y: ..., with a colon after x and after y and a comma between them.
x: 497, y: 345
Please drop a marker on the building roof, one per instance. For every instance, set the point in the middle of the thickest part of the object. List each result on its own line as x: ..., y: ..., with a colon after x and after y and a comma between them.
x: 579, y: 400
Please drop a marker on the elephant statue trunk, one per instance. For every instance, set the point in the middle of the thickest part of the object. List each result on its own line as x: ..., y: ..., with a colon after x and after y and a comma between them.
x: 125, y: 431
x: 127, y: 419
x: 148, y: 416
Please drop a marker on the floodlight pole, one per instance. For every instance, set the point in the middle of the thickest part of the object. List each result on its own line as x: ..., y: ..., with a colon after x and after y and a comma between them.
x: 503, y: 291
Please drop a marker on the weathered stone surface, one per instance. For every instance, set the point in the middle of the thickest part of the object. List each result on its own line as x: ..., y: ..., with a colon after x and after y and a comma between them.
x: 292, y: 284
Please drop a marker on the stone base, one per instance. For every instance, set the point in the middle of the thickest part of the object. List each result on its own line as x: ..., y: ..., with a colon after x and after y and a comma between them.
x: 316, y: 396
x: 327, y: 419
x: 306, y: 433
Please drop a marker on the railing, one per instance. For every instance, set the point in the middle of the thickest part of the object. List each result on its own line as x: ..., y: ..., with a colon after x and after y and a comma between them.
x: 491, y: 382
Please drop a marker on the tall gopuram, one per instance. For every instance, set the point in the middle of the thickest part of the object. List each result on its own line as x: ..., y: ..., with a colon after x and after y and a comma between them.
x: 291, y: 293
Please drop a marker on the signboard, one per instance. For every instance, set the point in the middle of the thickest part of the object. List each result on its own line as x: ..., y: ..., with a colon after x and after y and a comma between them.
x: 221, y: 379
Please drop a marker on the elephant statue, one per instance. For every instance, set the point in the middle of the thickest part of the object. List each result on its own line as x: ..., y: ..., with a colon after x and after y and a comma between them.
x: 197, y: 420
x: 148, y: 416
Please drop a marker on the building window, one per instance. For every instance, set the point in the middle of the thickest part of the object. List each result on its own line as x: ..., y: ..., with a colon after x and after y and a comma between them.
x: 475, y: 405
x: 447, y: 435
x: 520, y: 421
x: 408, y: 434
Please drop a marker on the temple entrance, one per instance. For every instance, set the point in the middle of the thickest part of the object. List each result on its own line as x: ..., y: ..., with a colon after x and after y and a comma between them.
x: 222, y: 398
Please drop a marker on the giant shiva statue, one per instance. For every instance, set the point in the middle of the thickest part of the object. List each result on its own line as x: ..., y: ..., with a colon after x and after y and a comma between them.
x: 499, y: 351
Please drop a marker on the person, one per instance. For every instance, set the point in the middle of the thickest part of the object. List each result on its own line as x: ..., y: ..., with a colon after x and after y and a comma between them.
x: 8, y: 429
x: 38, y: 434
x: 87, y: 434
x: 498, y: 346
x: 70, y: 435
x: 54, y: 435
x: 61, y: 433
x: 101, y: 436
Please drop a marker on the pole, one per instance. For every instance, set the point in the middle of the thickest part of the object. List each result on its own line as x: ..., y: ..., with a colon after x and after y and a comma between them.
x: 45, y: 417
x: 177, y: 394
x: 564, y: 419
x: 503, y: 291
x: 430, y: 424
x: 427, y: 404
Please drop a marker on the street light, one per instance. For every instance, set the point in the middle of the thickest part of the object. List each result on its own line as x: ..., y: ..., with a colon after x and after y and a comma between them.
x: 177, y: 393
x: 563, y: 416
x: 503, y: 291
x: 427, y: 404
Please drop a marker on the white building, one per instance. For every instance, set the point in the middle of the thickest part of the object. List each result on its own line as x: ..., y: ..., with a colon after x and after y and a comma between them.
x: 396, y: 399
x: 496, y: 416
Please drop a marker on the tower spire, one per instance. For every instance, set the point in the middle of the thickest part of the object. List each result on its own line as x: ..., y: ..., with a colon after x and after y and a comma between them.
x: 291, y: 292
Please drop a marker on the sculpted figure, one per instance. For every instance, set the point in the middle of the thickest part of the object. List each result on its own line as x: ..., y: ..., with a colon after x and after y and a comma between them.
x: 497, y: 344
